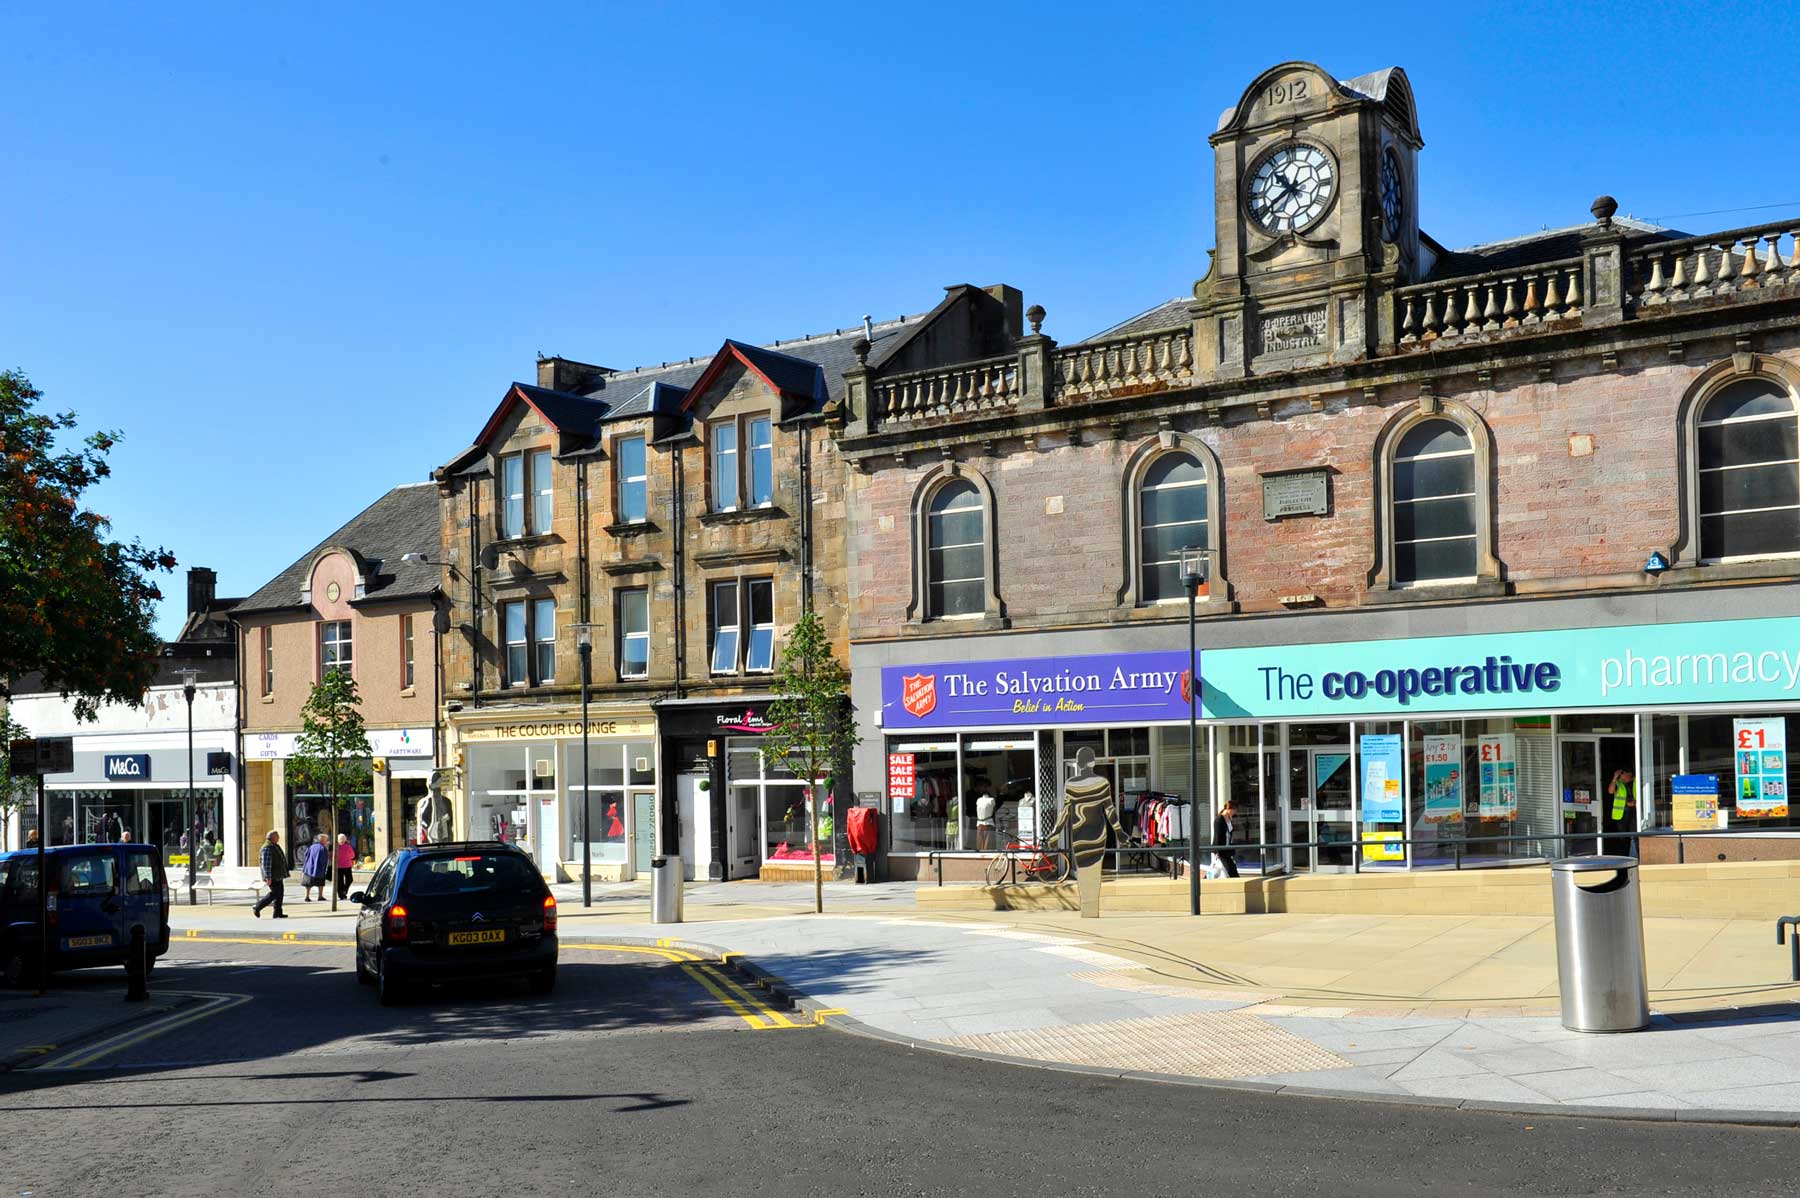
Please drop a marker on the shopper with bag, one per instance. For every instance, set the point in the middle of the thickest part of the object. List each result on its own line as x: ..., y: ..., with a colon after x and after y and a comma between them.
x: 1225, y: 859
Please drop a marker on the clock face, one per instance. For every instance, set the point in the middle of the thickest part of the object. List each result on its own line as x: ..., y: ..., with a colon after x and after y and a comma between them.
x: 1393, y: 204
x: 1291, y: 188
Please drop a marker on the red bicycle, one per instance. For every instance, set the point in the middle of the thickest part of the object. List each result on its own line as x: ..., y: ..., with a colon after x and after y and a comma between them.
x: 1022, y: 861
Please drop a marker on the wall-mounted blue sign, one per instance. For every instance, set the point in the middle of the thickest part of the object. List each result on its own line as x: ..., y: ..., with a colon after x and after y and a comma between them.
x: 1109, y: 688
x: 128, y: 767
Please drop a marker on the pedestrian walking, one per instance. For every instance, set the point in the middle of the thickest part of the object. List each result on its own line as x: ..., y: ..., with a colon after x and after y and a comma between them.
x: 315, y: 867
x: 274, y: 876
x: 346, y: 862
x: 31, y: 839
x: 1221, y: 834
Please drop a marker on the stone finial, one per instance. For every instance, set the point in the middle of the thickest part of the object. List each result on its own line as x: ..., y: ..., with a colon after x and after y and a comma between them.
x: 1035, y: 314
x: 1603, y: 209
x: 861, y: 350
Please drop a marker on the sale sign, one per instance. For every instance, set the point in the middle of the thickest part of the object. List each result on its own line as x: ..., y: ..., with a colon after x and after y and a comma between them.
x: 902, y: 780
x: 1499, y: 777
x: 1761, y: 751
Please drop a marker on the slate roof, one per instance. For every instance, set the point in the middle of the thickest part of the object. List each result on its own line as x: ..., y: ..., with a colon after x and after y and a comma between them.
x: 405, y: 520
x: 1549, y: 245
x: 576, y: 415
x: 1172, y: 314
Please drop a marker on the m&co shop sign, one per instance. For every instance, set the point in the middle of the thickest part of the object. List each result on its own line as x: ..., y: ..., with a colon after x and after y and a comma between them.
x: 1113, y: 688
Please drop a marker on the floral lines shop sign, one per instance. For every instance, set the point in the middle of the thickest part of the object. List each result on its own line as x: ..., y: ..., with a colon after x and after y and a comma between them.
x: 1646, y: 665
x: 1109, y: 688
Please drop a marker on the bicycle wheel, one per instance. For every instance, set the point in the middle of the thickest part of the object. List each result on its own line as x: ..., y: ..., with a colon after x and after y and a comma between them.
x: 1054, y: 866
x: 996, y: 869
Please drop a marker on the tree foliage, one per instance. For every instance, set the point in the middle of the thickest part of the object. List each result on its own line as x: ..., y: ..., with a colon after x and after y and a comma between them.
x: 76, y: 607
x: 14, y: 792
x: 332, y: 754
x: 813, y: 729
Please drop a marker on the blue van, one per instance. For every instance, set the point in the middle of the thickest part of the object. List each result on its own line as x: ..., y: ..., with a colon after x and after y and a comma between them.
x: 100, y: 895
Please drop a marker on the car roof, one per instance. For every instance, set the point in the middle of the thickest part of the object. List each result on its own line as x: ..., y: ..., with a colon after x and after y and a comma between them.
x: 54, y: 849
x: 461, y: 846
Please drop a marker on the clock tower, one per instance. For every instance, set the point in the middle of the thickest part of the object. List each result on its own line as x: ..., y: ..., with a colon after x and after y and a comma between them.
x: 1315, y: 197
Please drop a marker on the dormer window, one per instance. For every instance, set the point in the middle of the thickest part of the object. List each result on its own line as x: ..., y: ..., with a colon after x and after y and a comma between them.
x: 743, y: 463
x: 525, y: 475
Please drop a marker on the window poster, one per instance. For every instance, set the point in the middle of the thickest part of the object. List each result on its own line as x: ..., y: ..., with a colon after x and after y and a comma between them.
x: 1443, y: 779
x: 1696, y: 802
x: 1761, y: 767
x: 902, y: 780
x: 1499, y: 777
x: 1383, y: 769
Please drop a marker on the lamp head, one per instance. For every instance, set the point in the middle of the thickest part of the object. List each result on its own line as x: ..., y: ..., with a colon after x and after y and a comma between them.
x: 1193, y: 568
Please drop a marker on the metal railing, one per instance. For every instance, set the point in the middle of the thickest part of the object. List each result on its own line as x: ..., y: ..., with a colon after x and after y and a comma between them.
x: 1177, y: 852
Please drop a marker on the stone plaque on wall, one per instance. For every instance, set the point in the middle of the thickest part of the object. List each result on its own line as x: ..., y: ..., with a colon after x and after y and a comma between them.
x: 1296, y: 493
x: 1297, y: 330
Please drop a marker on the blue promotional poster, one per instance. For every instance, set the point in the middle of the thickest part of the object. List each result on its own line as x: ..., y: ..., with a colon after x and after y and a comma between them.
x: 1382, y: 779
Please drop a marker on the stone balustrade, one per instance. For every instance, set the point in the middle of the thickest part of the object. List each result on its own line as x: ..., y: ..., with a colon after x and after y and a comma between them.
x: 1506, y: 299
x: 1669, y: 272
x: 966, y: 388
x: 1108, y: 367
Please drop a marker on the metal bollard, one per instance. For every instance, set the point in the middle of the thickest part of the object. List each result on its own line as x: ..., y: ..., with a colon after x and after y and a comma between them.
x: 137, y: 967
x: 665, y: 889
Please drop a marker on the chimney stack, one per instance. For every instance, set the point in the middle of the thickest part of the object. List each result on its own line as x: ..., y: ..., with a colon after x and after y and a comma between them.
x: 203, y: 586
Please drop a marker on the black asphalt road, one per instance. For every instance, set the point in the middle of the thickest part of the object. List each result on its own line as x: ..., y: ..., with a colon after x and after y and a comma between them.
x: 634, y: 1078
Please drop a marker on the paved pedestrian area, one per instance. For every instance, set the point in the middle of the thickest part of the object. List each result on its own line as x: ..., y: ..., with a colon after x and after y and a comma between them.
x: 1463, y: 1012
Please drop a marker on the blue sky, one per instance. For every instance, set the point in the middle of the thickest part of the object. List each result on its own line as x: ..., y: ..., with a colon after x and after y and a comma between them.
x: 296, y: 254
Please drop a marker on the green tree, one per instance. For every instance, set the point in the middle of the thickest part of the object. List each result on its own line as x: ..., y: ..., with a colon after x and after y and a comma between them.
x: 76, y: 607
x: 813, y: 728
x: 332, y: 755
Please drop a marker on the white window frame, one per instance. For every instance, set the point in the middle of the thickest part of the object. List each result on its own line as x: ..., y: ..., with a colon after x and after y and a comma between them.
x: 723, y: 628
x: 543, y: 641
x: 727, y: 490
x: 760, y: 451
x: 629, y: 482
x: 626, y: 637
x: 268, y: 660
x: 1701, y: 471
x: 519, y: 644
x: 406, y: 652
x: 1472, y: 497
x: 753, y: 627
x: 345, y: 645
x: 543, y: 490
x: 1144, y: 565
x: 975, y: 502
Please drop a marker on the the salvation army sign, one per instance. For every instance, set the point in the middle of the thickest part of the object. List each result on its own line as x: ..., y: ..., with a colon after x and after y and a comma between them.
x: 1104, y: 688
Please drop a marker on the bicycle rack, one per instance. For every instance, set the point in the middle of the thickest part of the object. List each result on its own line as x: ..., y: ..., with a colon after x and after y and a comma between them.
x: 1781, y: 937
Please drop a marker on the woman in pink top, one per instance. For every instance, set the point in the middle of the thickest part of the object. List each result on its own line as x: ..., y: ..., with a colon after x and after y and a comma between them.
x: 346, y: 858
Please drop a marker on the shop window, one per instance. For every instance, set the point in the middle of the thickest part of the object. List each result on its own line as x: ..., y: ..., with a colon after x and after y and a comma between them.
x: 1172, y: 516
x: 923, y: 795
x: 631, y: 468
x: 1747, y: 455
x: 612, y: 767
x: 1434, y: 510
x: 634, y: 633
x: 956, y: 553
x: 334, y: 647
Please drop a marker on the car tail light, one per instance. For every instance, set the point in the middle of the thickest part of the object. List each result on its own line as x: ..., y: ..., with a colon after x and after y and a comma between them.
x: 549, y: 913
x: 394, y: 923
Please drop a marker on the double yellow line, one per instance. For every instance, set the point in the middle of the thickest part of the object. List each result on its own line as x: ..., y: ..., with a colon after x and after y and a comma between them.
x: 209, y: 1005
x: 755, y: 1010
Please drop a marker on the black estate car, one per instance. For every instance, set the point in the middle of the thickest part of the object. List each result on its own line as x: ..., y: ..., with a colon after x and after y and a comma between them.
x: 445, y: 912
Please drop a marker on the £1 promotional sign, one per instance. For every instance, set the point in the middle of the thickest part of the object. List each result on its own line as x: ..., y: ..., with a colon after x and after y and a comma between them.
x: 1499, y: 777
x: 1761, y: 767
x: 1110, y: 688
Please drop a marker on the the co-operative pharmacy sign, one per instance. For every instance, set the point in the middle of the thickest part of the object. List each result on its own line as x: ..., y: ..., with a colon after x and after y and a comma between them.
x: 1113, y: 688
x: 1724, y: 661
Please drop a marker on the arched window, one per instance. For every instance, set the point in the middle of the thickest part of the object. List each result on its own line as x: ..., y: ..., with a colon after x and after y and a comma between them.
x: 1748, y: 460
x: 1171, y: 517
x: 956, y: 551
x: 1434, y: 507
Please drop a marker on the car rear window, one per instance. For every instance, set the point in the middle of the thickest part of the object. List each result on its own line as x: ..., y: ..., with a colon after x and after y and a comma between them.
x: 89, y: 874
x: 140, y: 873
x: 468, y: 873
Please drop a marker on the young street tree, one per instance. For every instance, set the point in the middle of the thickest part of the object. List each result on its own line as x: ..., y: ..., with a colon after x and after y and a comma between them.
x: 76, y: 607
x: 812, y: 729
x: 331, y: 754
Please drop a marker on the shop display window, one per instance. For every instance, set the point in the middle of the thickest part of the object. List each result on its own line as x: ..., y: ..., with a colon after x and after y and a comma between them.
x: 611, y: 765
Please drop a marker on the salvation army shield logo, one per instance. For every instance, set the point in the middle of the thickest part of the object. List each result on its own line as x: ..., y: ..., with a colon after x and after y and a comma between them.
x: 918, y: 694
x: 1187, y: 686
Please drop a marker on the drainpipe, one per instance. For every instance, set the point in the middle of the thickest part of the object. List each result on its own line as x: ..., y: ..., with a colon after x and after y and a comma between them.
x: 474, y: 592
x: 679, y: 571
x: 237, y: 739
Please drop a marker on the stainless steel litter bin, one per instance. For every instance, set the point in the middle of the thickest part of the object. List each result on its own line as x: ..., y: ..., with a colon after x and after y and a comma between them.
x: 1600, y: 944
x: 665, y: 889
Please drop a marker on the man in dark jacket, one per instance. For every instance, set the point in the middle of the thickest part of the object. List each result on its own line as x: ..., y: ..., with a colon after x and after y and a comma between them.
x: 274, y: 873
x: 1221, y: 834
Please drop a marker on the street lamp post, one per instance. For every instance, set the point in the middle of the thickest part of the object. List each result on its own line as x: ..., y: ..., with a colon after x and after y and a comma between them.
x: 1193, y: 574
x: 584, y: 644
x: 187, y: 692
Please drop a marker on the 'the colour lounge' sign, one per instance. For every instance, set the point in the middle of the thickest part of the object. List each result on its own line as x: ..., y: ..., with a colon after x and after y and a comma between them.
x: 1110, y: 688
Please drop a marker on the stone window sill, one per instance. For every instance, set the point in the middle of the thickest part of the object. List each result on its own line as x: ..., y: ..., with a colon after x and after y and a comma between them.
x: 748, y: 515
x: 1481, y: 588
x: 631, y: 528
x: 266, y: 699
x: 946, y: 625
